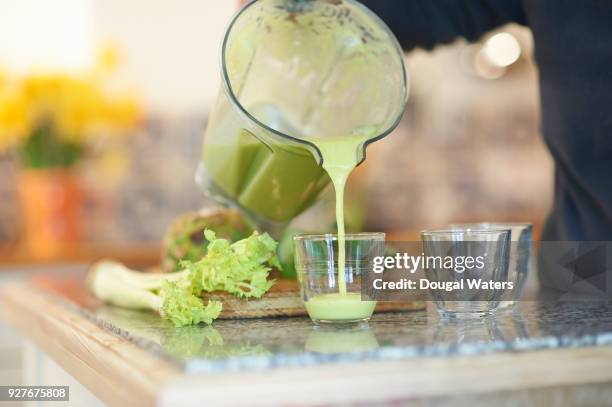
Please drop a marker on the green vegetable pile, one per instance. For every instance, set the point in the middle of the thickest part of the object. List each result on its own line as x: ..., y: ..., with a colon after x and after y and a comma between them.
x: 241, y: 268
x: 184, y: 239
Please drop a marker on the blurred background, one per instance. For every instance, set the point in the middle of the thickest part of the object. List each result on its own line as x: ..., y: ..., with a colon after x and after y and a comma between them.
x: 103, y: 105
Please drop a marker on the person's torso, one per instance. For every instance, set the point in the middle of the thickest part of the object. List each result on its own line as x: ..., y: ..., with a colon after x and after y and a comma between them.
x: 573, y: 49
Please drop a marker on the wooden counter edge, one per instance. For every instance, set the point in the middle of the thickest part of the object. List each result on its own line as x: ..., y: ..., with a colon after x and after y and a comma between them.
x: 114, y: 369
x: 121, y: 374
x: 399, y: 382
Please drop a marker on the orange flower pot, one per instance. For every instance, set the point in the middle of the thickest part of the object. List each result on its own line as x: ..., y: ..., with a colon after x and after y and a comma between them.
x: 52, y: 204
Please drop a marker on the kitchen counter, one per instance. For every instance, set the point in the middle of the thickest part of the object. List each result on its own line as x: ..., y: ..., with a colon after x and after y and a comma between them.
x: 536, y: 352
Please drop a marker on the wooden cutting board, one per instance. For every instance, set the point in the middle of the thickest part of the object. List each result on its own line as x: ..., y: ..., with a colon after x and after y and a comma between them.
x: 283, y: 299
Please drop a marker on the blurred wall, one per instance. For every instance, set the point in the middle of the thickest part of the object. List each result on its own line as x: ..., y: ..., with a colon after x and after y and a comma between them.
x: 468, y: 149
x: 55, y: 34
x: 169, y: 54
x: 171, y: 48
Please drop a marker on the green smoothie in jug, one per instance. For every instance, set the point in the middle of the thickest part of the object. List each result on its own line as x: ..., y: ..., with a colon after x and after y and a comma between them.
x: 275, y: 182
x: 296, y: 70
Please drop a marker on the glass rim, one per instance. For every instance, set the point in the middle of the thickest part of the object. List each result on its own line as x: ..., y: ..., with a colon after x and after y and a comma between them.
x: 479, y: 231
x: 491, y: 225
x: 334, y: 236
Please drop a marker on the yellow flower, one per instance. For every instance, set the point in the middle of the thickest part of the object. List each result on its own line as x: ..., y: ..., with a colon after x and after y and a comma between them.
x: 123, y: 114
x: 14, y: 123
x: 75, y: 108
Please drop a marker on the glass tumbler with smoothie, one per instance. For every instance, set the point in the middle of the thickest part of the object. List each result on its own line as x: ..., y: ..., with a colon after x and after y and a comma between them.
x: 327, y: 297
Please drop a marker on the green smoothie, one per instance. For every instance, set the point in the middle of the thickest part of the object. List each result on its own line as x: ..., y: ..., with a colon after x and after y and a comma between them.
x: 273, y: 182
x: 339, y: 307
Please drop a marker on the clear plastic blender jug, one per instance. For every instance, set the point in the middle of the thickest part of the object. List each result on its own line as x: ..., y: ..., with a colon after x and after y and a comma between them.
x: 295, y: 70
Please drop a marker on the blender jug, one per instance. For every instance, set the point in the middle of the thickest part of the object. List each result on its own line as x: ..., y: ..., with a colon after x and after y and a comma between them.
x: 294, y: 71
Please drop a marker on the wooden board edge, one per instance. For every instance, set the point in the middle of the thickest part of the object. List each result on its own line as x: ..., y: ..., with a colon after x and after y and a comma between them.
x: 398, y: 382
x: 115, y: 370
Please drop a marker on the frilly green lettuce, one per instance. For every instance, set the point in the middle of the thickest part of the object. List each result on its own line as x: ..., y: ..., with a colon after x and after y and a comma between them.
x: 241, y: 268
x: 183, y: 308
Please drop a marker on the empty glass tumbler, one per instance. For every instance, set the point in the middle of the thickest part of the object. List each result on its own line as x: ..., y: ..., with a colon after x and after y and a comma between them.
x: 520, y: 254
x: 466, y: 269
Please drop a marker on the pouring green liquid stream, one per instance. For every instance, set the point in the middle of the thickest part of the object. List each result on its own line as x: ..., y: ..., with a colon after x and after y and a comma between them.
x: 339, y: 160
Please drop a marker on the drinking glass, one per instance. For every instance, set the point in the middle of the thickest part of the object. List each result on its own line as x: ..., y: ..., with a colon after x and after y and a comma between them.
x: 455, y: 260
x: 316, y: 263
x: 520, y: 255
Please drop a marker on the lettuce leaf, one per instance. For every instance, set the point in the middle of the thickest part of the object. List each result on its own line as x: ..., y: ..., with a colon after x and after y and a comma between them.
x: 183, y: 308
x: 241, y: 268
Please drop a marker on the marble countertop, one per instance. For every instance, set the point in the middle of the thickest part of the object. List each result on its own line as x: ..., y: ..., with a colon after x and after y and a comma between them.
x: 288, y: 342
